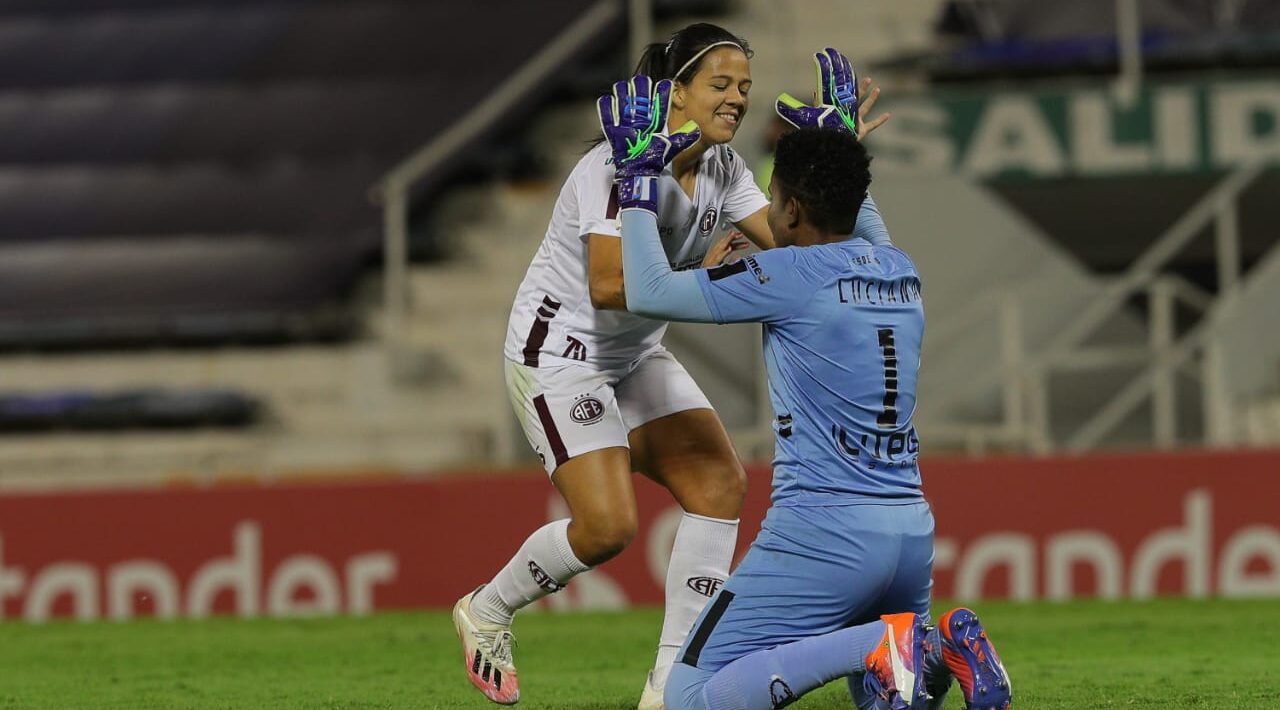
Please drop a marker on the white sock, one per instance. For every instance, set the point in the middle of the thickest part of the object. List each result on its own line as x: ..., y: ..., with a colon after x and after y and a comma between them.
x: 699, y: 564
x: 543, y: 565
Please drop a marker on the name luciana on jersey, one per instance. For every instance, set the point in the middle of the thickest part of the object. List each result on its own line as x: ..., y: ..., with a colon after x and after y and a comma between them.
x: 875, y: 292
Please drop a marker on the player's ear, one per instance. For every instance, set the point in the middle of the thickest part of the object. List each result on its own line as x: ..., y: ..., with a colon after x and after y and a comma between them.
x: 677, y: 94
x: 794, y: 212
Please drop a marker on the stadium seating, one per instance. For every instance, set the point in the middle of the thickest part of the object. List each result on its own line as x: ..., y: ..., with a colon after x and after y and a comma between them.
x: 211, y: 147
x: 1026, y: 39
x: 133, y: 409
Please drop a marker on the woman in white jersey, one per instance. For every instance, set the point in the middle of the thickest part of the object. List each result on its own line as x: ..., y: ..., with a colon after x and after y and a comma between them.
x: 592, y: 384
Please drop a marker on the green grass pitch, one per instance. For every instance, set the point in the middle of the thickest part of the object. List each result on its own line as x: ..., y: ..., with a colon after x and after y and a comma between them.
x: 1163, y: 654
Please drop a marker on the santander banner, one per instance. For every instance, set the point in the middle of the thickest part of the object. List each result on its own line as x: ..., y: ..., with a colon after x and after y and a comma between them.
x: 1190, y: 524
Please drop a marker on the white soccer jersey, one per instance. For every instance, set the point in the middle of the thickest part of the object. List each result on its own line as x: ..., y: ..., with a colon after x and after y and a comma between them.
x: 553, y: 321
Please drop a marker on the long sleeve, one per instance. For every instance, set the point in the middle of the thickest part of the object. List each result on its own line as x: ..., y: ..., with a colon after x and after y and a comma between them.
x: 870, y: 224
x: 653, y: 289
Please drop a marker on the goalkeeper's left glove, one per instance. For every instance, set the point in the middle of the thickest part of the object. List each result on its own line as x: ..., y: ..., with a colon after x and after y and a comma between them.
x: 836, y: 97
x: 633, y: 119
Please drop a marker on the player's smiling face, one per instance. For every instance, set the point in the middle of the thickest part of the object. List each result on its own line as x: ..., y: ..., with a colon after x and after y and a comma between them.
x: 716, y: 97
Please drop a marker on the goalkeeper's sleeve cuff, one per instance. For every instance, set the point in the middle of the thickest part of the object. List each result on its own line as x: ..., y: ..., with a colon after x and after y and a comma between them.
x: 638, y: 192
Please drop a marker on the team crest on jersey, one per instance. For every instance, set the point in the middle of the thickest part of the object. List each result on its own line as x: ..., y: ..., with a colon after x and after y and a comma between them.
x: 587, y: 410
x: 708, y: 222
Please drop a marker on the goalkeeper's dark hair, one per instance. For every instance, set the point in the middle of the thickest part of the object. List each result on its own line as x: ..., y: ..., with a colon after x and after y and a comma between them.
x: 827, y: 171
x: 662, y: 60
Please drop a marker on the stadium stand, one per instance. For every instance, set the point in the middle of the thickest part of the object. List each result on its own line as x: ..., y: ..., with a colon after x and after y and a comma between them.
x: 988, y: 39
x: 139, y: 409
x: 178, y: 141
x: 165, y: 181
x: 174, y: 191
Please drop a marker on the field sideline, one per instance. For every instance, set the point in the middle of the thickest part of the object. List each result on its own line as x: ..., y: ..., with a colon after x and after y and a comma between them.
x: 1163, y: 654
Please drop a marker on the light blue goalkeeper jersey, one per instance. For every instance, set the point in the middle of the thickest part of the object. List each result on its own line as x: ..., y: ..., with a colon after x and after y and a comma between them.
x: 843, y: 325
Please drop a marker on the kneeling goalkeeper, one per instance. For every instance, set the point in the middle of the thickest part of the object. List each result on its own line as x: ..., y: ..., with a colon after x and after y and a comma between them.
x: 838, y: 582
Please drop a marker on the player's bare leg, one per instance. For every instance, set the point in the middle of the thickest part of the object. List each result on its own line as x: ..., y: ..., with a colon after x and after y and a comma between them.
x: 602, y: 507
x: 690, y: 454
x: 602, y: 503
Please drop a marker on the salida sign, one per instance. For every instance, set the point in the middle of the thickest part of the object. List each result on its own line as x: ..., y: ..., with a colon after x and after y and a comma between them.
x: 1108, y: 526
x: 1082, y: 131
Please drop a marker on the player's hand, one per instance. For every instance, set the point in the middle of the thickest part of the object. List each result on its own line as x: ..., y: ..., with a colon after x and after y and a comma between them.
x: 836, y: 99
x: 867, y: 98
x: 633, y: 119
x: 722, y: 251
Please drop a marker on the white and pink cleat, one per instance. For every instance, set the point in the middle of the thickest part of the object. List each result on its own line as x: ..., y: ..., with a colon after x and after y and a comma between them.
x: 486, y: 651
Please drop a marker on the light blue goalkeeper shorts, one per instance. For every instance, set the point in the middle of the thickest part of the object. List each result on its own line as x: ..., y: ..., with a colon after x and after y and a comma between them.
x: 813, y: 570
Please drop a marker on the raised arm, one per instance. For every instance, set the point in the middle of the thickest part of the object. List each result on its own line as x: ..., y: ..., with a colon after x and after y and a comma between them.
x: 841, y: 103
x: 632, y: 118
x: 870, y: 224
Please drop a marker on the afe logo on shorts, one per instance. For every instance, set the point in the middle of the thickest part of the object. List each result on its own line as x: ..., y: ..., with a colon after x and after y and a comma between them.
x: 708, y: 222
x: 587, y: 410
x: 706, y: 586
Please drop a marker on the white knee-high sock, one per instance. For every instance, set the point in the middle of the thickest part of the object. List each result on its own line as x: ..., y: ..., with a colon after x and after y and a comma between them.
x: 543, y: 565
x: 699, y: 564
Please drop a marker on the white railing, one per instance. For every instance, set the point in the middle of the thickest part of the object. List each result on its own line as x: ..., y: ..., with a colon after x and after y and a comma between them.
x: 1027, y: 397
x: 393, y: 190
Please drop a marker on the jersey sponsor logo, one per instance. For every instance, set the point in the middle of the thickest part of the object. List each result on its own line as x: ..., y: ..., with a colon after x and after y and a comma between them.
x: 898, y: 448
x: 755, y: 269
x: 708, y: 221
x: 706, y: 586
x: 780, y: 694
x: 576, y: 350
x: 587, y: 410
x: 542, y: 579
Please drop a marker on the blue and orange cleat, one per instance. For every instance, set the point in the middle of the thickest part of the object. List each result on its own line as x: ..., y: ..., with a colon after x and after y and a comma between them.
x: 974, y: 662
x: 895, y: 668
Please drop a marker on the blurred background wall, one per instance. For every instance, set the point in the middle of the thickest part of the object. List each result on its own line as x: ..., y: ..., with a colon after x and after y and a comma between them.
x: 270, y: 239
x: 257, y: 258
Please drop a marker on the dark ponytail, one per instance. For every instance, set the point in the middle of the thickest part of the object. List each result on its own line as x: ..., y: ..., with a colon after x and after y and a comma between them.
x: 662, y: 61
x: 653, y: 61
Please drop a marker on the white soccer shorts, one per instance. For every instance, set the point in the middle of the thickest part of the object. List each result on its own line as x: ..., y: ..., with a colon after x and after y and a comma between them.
x: 569, y: 410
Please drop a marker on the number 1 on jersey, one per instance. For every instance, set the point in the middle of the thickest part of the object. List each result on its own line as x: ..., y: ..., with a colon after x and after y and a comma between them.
x: 888, y: 418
